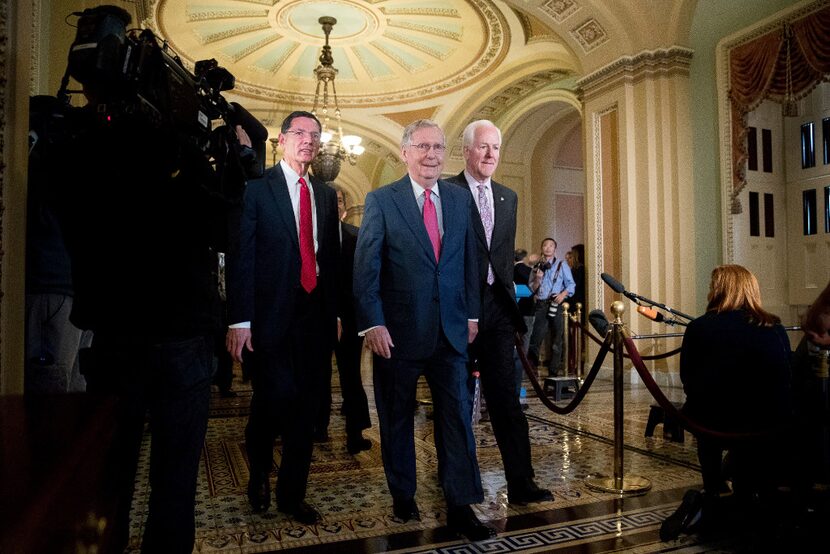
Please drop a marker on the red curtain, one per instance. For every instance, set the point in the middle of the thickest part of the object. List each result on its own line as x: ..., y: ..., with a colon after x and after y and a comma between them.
x: 758, y: 71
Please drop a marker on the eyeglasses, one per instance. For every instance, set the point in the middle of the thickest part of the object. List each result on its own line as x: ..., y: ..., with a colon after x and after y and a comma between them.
x: 424, y: 147
x: 300, y: 134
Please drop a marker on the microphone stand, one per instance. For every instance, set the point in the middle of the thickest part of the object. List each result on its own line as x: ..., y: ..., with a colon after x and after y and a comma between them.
x: 637, y: 299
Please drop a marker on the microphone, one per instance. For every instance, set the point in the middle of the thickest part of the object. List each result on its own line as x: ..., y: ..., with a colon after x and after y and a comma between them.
x: 598, y: 321
x: 651, y: 314
x: 615, y: 285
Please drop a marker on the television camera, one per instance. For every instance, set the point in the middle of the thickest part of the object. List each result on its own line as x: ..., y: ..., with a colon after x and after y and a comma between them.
x: 131, y: 75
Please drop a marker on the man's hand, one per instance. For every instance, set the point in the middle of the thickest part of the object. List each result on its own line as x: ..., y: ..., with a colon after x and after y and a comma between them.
x: 339, y: 329
x: 559, y: 298
x: 472, y: 331
x: 379, y: 341
x: 242, y: 136
x: 236, y: 339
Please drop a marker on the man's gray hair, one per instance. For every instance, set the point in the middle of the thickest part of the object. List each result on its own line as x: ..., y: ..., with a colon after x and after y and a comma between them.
x: 470, y: 131
x: 419, y: 124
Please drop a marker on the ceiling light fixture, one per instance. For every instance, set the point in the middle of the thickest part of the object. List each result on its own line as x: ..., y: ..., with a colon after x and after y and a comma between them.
x: 335, y: 146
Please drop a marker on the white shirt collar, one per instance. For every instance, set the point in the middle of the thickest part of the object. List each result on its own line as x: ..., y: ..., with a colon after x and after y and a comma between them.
x: 291, y: 176
x: 418, y: 190
x: 474, y: 183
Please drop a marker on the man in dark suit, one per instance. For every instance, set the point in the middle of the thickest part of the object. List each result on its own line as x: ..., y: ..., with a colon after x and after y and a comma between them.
x: 347, y: 352
x: 282, y: 287
x: 493, y: 218
x: 416, y: 289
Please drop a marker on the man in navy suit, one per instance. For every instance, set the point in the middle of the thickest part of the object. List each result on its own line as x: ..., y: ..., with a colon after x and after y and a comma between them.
x: 493, y: 219
x: 282, y: 295
x: 416, y: 290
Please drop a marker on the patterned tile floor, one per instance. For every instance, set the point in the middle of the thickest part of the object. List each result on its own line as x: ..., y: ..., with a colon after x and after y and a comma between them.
x: 350, y: 491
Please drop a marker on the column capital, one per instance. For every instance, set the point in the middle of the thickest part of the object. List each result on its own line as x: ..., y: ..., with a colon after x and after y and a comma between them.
x: 671, y: 61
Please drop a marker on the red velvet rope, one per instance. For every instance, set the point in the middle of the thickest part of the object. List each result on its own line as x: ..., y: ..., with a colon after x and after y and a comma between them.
x: 580, y: 394
x: 673, y: 412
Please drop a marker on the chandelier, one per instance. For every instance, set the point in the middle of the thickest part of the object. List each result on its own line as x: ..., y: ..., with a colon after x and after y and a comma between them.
x: 335, y: 146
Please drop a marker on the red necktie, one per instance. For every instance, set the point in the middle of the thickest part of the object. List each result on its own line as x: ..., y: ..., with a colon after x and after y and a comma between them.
x: 431, y: 223
x: 308, y: 272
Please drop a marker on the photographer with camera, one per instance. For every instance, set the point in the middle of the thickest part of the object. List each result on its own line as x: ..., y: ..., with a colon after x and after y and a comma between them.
x: 147, y: 192
x: 555, y: 284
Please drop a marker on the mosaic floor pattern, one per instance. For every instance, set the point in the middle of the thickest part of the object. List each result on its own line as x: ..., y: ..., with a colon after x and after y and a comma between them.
x: 350, y: 491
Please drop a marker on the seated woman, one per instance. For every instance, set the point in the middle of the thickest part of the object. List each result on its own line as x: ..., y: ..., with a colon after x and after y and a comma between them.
x: 735, y: 369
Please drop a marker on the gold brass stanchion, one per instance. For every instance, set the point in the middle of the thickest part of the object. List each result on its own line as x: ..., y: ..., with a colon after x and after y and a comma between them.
x: 580, y: 345
x: 624, y: 485
x: 566, y: 338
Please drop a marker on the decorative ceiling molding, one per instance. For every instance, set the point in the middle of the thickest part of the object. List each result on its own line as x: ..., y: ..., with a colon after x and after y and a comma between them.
x: 388, y: 51
x: 560, y: 10
x: 405, y: 118
x: 534, y: 28
x: 632, y: 69
x: 589, y: 35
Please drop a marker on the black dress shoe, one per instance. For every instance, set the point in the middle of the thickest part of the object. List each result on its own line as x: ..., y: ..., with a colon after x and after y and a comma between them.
x: 357, y: 444
x: 405, y: 509
x: 463, y: 520
x: 526, y: 493
x: 321, y: 436
x: 259, y: 491
x: 302, y: 512
x: 684, y: 517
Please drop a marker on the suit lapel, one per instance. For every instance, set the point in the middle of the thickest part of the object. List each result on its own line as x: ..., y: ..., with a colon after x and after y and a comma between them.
x: 501, y: 213
x: 408, y: 208
x: 320, y: 208
x: 282, y: 199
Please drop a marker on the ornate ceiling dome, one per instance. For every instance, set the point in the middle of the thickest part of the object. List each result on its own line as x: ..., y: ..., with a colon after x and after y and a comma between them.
x: 386, y: 51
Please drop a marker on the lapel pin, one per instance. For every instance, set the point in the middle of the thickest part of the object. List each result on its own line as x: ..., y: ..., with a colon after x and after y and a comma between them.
x: 501, y: 198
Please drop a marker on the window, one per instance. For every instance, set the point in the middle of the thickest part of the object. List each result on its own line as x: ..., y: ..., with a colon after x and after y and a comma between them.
x: 809, y: 211
x: 766, y: 144
x: 754, y: 228
x: 808, y: 147
x: 825, y: 137
x: 752, y: 149
x: 769, y: 216
x: 827, y: 209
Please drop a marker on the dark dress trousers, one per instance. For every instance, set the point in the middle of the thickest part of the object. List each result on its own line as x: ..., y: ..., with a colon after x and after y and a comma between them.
x: 293, y: 332
x: 425, y: 305
x: 500, y: 319
x: 348, y: 350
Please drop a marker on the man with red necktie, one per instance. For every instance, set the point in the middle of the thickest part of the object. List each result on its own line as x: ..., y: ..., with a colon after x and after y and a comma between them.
x: 417, y: 298
x: 282, y: 296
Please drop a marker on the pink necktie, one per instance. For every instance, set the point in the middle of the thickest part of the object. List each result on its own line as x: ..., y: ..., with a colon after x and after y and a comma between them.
x: 308, y: 271
x: 431, y: 223
x: 487, y: 222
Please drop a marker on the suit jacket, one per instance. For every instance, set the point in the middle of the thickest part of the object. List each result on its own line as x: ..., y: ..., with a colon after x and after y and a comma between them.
x: 397, y: 281
x: 502, y: 244
x: 264, y: 275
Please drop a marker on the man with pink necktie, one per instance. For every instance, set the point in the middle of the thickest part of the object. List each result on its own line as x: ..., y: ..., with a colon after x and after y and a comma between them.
x: 494, y: 221
x: 417, y: 299
x: 282, y: 298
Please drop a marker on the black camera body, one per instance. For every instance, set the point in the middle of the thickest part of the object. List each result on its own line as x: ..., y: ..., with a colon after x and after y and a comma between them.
x: 128, y: 74
x: 543, y: 265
